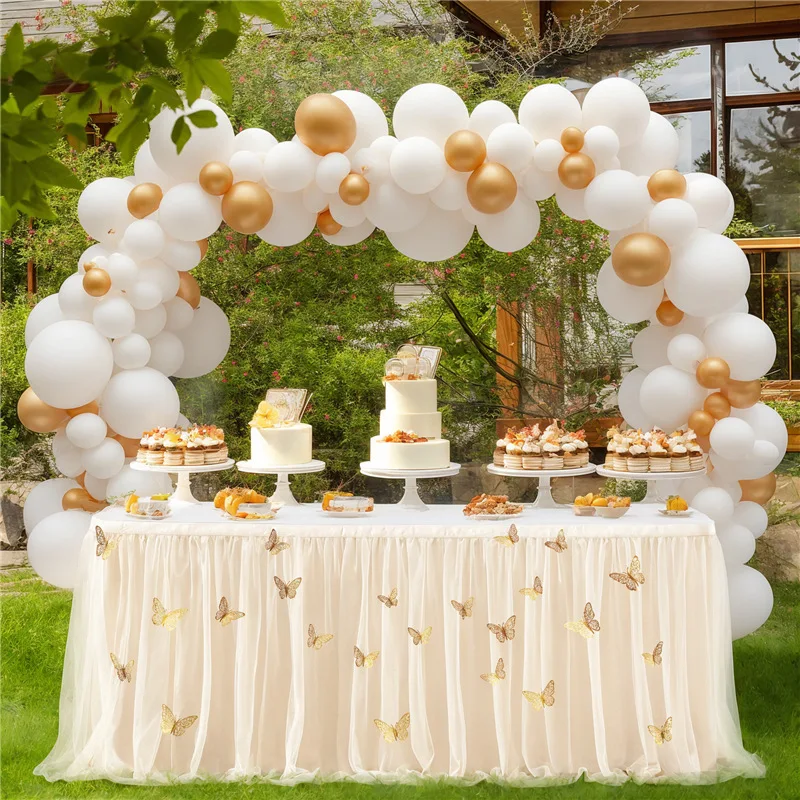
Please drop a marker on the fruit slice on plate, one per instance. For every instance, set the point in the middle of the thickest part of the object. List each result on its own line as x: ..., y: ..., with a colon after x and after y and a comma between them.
x: 132, y: 504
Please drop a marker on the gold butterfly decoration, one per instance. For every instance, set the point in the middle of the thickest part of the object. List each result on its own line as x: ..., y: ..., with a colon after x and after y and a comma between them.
x: 654, y: 659
x: 663, y: 734
x: 498, y: 675
x: 389, y: 601
x: 420, y: 638
x: 224, y: 615
x: 535, y: 592
x: 586, y: 627
x: 124, y: 671
x: 559, y: 544
x: 397, y: 732
x: 510, y: 539
x: 105, y: 547
x: 274, y: 545
x: 166, y: 619
x: 464, y: 609
x: 503, y: 630
x: 547, y: 697
x: 365, y: 661
x: 633, y: 578
x: 176, y: 727
x: 287, y: 589
x: 317, y: 641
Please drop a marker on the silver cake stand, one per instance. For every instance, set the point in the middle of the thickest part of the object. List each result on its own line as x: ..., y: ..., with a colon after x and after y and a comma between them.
x: 283, y: 492
x: 411, y: 498
x: 544, y: 499
x: 183, y: 489
x: 652, y: 478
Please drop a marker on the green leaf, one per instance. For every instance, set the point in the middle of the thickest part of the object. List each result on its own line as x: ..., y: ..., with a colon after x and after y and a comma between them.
x: 188, y: 27
x: 228, y: 17
x: 49, y: 172
x: 73, y: 63
x: 269, y: 10
x: 155, y: 49
x: 203, y: 119
x: 11, y: 59
x: 25, y: 88
x: 192, y: 82
x: 35, y: 205
x: 180, y: 133
x: 8, y: 215
x: 215, y: 76
x: 166, y: 93
x: 218, y: 44
x: 24, y: 151
x: 131, y: 138
x: 144, y: 94
x: 129, y: 56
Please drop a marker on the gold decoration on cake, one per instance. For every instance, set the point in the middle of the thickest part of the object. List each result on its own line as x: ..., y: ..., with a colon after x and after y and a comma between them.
x: 274, y: 545
x: 325, y: 124
x: 266, y: 416
x: 498, y: 675
x: 166, y: 619
x: 586, y: 627
x: 144, y: 199
x: 633, y: 578
x: 666, y: 183
x: 547, y: 697
x: 662, y: 734
x: 510, y: 539
x: 576, y: 170
x: 176, y: 727
x: 287, y: 589
x: 420, y: 637
x: 464, y: 151
x: 464, y: 609
x: 124, y: 671
x: 225, y: 615
x: 365, y: 661
x: 559, y: 544
x: 389, y: 601
x: 654, y: 659
x: 38, y: 416
x: 317, y: 640
x: 535, y: 592
x: 105, y: 547
x: 503, y: 630
x: 641, y: 259
x: 397, y: 732
x: 491, y: 188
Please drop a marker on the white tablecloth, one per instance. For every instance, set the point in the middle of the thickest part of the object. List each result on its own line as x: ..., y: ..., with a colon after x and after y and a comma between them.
x: 270, y: 706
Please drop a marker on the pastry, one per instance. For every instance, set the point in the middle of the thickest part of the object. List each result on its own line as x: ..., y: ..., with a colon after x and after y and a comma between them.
x: 638, y: 457
x: 679, y: 452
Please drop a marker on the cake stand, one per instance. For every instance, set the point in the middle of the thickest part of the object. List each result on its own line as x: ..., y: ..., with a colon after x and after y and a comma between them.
x: 183, y: 489
x: 544, y: 499
x: 410, y: 498
x: 652, y: 479
x: 283, y: 493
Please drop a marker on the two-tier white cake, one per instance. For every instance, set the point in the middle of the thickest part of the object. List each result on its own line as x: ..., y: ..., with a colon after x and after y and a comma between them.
x: 277, y: 436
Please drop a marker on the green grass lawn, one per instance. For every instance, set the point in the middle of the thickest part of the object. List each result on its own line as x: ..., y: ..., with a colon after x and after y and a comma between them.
x: 34, y: 632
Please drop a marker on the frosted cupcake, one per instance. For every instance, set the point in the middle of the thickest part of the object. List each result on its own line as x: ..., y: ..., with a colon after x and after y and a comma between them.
x: 532, y: 453
x: 611, y: 446
x: 696, y: 458
x: 155, y: 448
x: 638, y: 458
x: 579, y: 437
x: 498, y: 459
x: 622, y: 443
x: 658, y: 454
x: 570, y: 448
x: 552, y: 452
x: 679, y: 452
x: 513, y: 456
x: 174, y: 448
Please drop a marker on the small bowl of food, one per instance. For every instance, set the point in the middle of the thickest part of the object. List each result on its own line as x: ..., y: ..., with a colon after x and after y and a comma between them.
x: 582, y: 505
x: 155, y: 506
x: 349, y: 506
x: 614, y: 507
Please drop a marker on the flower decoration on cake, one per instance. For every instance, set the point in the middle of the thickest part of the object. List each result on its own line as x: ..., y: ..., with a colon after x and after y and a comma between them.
x: 266, y: 416
x: 404, y: 437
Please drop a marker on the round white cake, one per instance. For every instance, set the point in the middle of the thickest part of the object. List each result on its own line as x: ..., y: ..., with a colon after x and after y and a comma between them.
x: 433, y: 454
x: 281, y: 446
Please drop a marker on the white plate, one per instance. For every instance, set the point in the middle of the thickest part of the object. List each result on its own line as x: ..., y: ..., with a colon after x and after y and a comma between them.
x: 148, y: 517
x: 227, y: 516
x: 345, y: 514
x: 495, y: 517
x: 614, y: 512
x: 669, y: 513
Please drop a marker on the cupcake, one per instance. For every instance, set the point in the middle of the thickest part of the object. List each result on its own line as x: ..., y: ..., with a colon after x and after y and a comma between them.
x: 174, y: 448
x: 679, y: 452
x: 611, y: 446
x: 498, y: 459
x: 638, y: 458
x: 622, y: 443
x: 155, y: 448
x: 696, y: 458
x: 658, y: 454
x: 193, y: 455
x: 141, y: 455
x: 552, y: 452
x: 532, y: 452
x: 571, y: 457
x: 579, y: 437
x: 513, y: 456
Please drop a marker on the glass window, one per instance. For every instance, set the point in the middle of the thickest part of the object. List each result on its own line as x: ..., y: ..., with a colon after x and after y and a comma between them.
x: 776, y: 315
x: 763, y: 67
x: 754, y: 289
x: 694, y: 134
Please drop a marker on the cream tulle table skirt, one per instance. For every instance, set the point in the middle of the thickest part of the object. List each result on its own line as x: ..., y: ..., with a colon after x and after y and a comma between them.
x: 269, y: 705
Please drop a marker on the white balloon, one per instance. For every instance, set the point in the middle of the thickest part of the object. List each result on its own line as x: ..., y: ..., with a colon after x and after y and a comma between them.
x: 547, y: 109
x: 371, y: 122
x: 393, y: 210
x: 92, y: 254
x: 344, y: 214
x: 538, y: 185
x: 331, y: 171
x: 511, y: 145
x: 618, y: 104
x: 179, y: 314
x: 752, y: 516
x: 715, y: 503
x: 86, y: 430
x: 489, y: 115
x: 131, y: 352
x: 354, y: 235
x: 657, y: 148
x: 254, y: 140
x: 691, y: 486
x: 451, y: 193
x: 668, y: 395
x: 417, y: 165
x: 767, y: 425
x: 144, y: 295
x: 429, y: 110
x: 136, y: 400
x: 744, y: 341
x: 73, y: 301
x: 181, y: 255
x: 628, y: 400
x: 143, y: 239
x: 738, y: 544
x: 729, y: 484
x: 95, y: 486
x: 166, y: 353
x: 514, y: 228
x: 314, y: 199
x: 615, y: 237
x: 159, y: 274
x: 548, y: 155
x: 205, y: 341
x: 68, y: 458
x: 69, y: 363
x: 103, y: 209
x: 384, y: 146
x: 672, y: 220
x: 105, y: 460
x: 617, y: 199
x: 289, y: 167
x: 373, y: 163
x: 685, y: 352
x: 246, y: 166
x: 114, y: 316
x: 601, y: 144
x: 188, y: 213
x: 623, y: 301
x: 711, y: 199
x: 571, y: 202
x: 751, y: 600
x: 54, y: 547
x: 44, y: 313
x: 45, y: 499
x: 145, y: 169
x: 151, y: 321
x: 732, y: 438
x: 290, y: 222
x: 440, y: 235
x: 144, y: 484
x: 122, y: 270
x: 649, y: 346
x: 766, y: 454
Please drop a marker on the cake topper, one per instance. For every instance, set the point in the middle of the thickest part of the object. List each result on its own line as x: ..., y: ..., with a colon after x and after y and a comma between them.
x: 413, y: 362
x: 290, y: 404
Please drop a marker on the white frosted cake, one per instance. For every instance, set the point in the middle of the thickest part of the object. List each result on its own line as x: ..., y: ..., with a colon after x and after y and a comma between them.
x: 278, y: 441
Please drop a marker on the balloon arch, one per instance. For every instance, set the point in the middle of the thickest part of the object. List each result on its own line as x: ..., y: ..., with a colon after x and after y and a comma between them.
x: 101, y: 351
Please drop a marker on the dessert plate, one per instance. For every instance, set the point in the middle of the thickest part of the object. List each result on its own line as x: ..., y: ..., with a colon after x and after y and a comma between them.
x: 496, y: 517
x: 148, y: 516
x: 346, y: 514
x: 669, y: 513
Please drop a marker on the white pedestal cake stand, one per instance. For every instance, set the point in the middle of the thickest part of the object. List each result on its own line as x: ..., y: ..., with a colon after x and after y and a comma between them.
x: 544, y: 499
x: 652, y: 478
x: 183, y: 489
x: 410, y: 498
x: 283, y: 493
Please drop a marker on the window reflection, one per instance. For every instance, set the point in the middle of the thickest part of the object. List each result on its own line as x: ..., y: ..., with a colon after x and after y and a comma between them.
x: 694, y: 135
x: 763, y: 67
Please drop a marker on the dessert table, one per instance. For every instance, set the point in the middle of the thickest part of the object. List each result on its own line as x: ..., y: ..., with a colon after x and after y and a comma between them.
x: 200, y: 691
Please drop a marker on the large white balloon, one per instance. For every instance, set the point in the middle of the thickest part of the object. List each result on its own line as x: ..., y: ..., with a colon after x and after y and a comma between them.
x: 417, y: 165
x: 657, y: 148
x: 73, y: 301
x: 179, y: 314
x: 150, y: 322
x: 131, y: 352
x: 547, y: 109
x: 571, y: 202
x: 711, y: 199
x: 143, y: 239
x: 511, y: 145
x: 86, y: 430
x: 68, y: 458
x: 750, y: 598
x: 114, y: 316
x: 344, y: 214
x: 672, y: 220
x: 767, y: 425
x: 69, y: 363
x: 489, y: 115
x: 331, y: 170
x: 685, y: 352
x: 601, y: 144
x: 429, y: 110
x: 136, y: 400
x: 104, y: 460
x: 247, y: 166
x: 128, y: 481
x: 618, y: 104
x: 371, y: 122
x: 649, y: 346
x: 291, y: 221
x: 166, y: 353
x: 668, y: 395
x: 188, y: 213
x: 290, y: 167
x: 745, y: 342
x: 103, y: 209
x: 145, y: 169
x: 255, y: 140
x: 617, y: 199
x: 732, y: 438
x: 514, y: 228
x: 45, y: 499
x: 738, y: 544
x: 181, y: 255
x: 752, y: 516
x: 159, y: 274
x: 548, y: 155
x: 314, y: 199
x: 538, y: 185
x: 628, y: 399
x: 144, y: 295
x: 715, y: 503
x: 623, y: 301
x: 54, y: 547
x: 440, y: 235
x: 122, y: 270
x: 451, y: 193
x: 205, y: 342
x: 690, y: 487
x: 44, y: 313
x: 348, y: 236
x: 392, y: 209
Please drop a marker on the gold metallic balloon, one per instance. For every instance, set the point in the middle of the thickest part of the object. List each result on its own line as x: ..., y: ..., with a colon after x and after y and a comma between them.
x: 717, y: 405
x: 576, y: 170
x: 701, y: 422
x: 759, y: 490
x: 704, y: 442
x: 247, y: 207
x: 572, y: 139
x: 666, y: 183
x: 354, y: 189
x: 713, y: 373
x: 743, y: 394
x: 96, y: 282
x: 188, y: 289
x: 327, y: 224
x: 325, y: 124
x: 641, y: 259
x: 86, y: 408
x: 130, y: 446
x: 81, y: 479
x: 38, y: 416
x: 491, y: 188
x: 81, y: 500
x: 216, y: 178
x: 668, y: 314
x: 203, y: 245
x: 144, y: 199
x: 464, y: 151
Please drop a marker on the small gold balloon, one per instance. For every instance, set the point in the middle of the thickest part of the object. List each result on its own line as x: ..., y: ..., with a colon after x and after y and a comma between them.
x: 216, y: 178
x: 668, y: 314
x: 81, y: 479
x: 144, y: 199
x: 641, y: 259
x: 572, y: 139
x: 203, y: 245
x: 717, y: 405
x: 188, y: 289
x: 327, y: 224
x: 713, y: 373
x: 759, y: 490
x: 354, y: 189
x: 666, y: 183
x: 701, y: 422
x: 491, y: 188
x: 464, y: 151
x: 86, y: 408
x: 38, y: 416
x: 325, y: 124
x: 247, y: 207
x: 704, y: 442
x: 96, y: 282
x: 576, y: 170
x: 80, y: 499
x: 743, y: 394
x: 130, y: 446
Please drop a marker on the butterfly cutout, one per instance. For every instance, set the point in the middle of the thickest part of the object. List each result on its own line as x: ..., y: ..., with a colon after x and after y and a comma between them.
x: 105, y: 547
x: 535, y: 592
x: 559, y: 544
x: 389, y: 601
x: 633, y: 578
x: 663, y: 734
x: 166, y: 619
x: 547, y: 697
x: 177, y: 727
x: 365, y: 661
x: 224, y: 615
x: 510, y: 539
x: 274, y: 545
x: 464, y: 609
x: 397, y: 732
x: 317, y: 641
x: 420, y: 638
x: 654, y: 659
x: 498, y: 675
x: 503, y: 630
x: 287, y: 589
x: 586, y: 627
x: 124, y: 672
